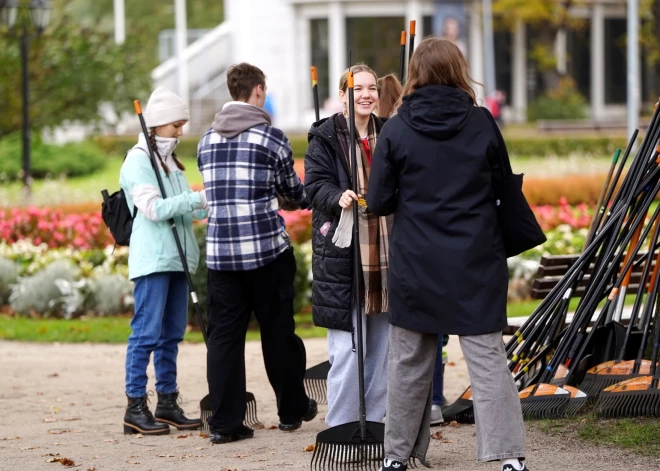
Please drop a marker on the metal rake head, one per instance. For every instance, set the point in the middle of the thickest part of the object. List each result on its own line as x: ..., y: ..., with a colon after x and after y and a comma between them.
x: 251, y: 419
x: 317, y: 389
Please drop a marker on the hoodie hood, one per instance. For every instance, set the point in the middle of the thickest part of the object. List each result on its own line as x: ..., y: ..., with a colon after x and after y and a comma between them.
x: 237, y: 117
x: 437, y: 111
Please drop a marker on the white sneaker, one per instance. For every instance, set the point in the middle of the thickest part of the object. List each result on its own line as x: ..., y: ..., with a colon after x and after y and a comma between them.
x: 436, y: 415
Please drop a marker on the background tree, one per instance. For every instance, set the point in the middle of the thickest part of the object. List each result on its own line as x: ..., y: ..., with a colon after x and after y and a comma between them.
x: 547, y: 18
x: 75, y: 67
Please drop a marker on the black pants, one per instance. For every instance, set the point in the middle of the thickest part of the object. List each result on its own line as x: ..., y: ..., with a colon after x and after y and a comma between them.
x: 232, y: 297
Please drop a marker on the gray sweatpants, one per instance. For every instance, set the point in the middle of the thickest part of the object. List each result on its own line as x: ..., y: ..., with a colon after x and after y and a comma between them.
x: 343, y: 392
x: 498, y: 417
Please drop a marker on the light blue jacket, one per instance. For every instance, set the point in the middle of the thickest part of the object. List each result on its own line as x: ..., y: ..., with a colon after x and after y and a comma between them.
x: 152, y: 247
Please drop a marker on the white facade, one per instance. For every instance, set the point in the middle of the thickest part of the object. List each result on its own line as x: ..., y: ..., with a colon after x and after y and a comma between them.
x: 275, y: 35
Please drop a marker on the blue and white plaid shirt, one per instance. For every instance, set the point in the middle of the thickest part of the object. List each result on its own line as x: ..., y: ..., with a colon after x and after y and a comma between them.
x: 242, y: 177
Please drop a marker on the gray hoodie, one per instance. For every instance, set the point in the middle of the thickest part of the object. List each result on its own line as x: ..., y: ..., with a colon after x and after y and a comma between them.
x: 237, y: 117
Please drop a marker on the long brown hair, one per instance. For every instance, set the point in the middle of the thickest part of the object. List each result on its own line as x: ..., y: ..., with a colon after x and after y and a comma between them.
x: 154, y: 146
x: 438, y: 61
x: 389, y: 93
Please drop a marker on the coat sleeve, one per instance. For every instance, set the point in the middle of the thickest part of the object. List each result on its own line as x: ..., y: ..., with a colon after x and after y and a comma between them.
x: 138, y: 179
x: 321, y: 179
x: 383, y: 180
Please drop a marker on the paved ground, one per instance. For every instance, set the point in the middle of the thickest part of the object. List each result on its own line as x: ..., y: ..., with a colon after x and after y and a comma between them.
x: 67, y: 401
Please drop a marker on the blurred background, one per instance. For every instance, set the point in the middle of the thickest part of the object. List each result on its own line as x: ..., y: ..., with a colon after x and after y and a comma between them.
x: 564, y: 78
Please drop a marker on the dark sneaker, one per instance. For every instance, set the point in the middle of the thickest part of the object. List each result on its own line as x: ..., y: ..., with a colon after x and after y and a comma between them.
x: 391, y: 465
x: 240, y: 434
x: 312, y: 410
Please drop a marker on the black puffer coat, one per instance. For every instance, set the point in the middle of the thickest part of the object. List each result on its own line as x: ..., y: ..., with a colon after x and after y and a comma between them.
x: 326, y: 178
x: 433, y: 168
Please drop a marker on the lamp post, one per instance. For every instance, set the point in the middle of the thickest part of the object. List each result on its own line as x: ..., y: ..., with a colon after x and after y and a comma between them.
x: 12, y: 15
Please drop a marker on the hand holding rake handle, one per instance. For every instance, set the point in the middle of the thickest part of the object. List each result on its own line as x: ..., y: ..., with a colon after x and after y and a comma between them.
x: 184, y: 263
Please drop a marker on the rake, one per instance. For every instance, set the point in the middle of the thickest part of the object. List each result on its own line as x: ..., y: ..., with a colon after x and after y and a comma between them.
x: 355, y: 444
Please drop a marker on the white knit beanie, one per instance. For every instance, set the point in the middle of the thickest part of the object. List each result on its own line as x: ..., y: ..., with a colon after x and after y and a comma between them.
x: 164, y: 107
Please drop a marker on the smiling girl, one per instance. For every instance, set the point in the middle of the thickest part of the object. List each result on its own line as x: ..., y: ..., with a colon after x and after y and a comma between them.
x: 327, y: 183
x: 161, y: 289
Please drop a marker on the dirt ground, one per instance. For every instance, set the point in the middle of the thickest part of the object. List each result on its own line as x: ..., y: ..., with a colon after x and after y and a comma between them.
x: 67, y: 401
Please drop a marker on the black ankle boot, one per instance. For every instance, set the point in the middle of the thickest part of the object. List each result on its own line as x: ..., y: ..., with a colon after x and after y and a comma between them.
x: 169, y: 412
x: 138, y: 418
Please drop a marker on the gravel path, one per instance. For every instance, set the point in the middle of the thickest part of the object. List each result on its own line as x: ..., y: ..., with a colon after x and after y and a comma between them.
x: 67, y: 401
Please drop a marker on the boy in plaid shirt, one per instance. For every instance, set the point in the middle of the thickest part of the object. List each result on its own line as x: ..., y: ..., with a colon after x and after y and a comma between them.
x: 246, y: 164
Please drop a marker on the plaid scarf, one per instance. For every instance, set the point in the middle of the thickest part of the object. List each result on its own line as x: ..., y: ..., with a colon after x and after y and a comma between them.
x: 373, y: 230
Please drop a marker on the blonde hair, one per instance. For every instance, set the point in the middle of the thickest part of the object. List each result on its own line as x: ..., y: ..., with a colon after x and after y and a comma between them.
x: 343, y: 81
x: 438, y: 61
x: 389, y: 93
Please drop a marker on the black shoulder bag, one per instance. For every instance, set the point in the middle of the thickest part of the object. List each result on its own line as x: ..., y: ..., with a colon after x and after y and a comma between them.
x: 520, y: 229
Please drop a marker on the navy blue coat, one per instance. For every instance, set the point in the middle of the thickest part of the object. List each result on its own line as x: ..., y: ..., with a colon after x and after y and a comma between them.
x: 433, y: 168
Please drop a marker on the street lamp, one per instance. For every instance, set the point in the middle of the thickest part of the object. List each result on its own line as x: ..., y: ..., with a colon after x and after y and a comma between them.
x: 39, y: 12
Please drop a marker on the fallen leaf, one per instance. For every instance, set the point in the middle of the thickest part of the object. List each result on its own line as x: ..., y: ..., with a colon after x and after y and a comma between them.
x: 150, y: 449
x: 437, y: 436
x: 165, y: 456
x: 10, y: 438
x: 49, y: 420
x: 29, y: 448
x: 322, y: 419
x: 59, y: 431
x: 110, y: 440
x: 67, y: 462
x: 240, y: 456
x: 272, y: 427
x: 70, y: 419
x: 447, y: 441
x: 309, y: 447
x: 203, y: 435
x: 52, y: 454
x: 133, y: 462
x: 451, y: 363
x: 453, y: 423
x: 56, y: 444
x: 72, y: 404
x: 54, y: 375
x: 139, y: 435
x: 92, y: 468
x: 474, y: 434
x: 183, y: 436
x: 53, y: 460
x: 272, y: 453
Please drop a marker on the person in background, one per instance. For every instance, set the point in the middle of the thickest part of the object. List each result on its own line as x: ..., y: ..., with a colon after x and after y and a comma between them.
x: 247, y: 164
x: 327, y: 182
x: 389, y: 93
x: 154, y: 264
x: 433, y: 169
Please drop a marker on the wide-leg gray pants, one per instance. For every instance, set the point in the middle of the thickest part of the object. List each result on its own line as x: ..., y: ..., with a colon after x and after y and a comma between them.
x: 498, y: 417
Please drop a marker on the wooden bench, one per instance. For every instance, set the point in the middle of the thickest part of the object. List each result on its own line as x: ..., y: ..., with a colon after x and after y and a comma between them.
x: 552, y: 269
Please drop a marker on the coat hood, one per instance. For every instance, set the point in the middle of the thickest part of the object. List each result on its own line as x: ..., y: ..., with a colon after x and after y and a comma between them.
x: 237, y: 117
x: 437, y: 111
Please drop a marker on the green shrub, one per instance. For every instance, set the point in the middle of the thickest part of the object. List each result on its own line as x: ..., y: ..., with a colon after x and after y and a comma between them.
x: 565, y: 102
x: 71, y: 160
x: 8, y: 275
x: 33, y: 294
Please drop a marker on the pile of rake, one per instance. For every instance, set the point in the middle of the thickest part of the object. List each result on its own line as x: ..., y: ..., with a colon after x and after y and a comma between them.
x: 596, y: 359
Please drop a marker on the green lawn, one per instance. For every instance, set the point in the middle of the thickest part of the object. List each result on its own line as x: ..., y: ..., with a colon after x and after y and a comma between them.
x: 88, y: 189
x: 638, y: 435
x: 105, y: 330
x: 79, y: 189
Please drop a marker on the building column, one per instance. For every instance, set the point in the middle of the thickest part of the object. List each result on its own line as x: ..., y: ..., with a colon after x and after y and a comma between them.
x: 299, y: 103
x: 560, y: 51
x: 414, y: 12
x: 475, y: 49
x: 336, y: 44
x: 597, y: 97
x: 519, y: 72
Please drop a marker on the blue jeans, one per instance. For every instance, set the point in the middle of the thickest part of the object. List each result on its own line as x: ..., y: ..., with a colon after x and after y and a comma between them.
x: 158, y: 325
x: 439, y: 372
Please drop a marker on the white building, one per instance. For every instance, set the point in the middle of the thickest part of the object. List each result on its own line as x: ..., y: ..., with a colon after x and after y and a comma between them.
x: 285, y: 37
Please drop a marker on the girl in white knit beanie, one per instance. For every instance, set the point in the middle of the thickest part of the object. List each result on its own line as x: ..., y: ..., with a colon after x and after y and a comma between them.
x: 154, y: 264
